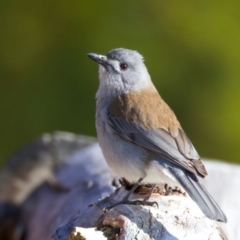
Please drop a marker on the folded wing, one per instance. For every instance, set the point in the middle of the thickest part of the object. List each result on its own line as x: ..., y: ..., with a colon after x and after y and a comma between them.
x: 172, y: 145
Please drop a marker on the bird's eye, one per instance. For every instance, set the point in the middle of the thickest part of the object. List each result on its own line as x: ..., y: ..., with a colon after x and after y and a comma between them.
x: 123, y: 66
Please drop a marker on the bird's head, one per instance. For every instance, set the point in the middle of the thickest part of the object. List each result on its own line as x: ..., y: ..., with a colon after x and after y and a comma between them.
x: 122, y: 70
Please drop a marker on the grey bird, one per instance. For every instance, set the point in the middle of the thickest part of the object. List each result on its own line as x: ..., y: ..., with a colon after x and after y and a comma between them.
x: 140, y: 136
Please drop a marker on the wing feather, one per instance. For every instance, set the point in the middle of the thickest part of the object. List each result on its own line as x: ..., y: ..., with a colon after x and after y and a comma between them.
x: 172, y: 145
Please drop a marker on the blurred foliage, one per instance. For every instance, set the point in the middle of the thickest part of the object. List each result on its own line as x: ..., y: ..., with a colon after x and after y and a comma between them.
x: 191, y: 49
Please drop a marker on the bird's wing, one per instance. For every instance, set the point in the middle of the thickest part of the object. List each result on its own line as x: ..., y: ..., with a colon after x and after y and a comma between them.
x: 173, y: 145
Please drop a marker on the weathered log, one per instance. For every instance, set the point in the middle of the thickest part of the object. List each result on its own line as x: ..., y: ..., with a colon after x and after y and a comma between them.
x: 74, y: 205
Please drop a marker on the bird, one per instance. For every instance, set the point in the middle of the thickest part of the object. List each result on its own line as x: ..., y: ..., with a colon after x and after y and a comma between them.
x: 140, y: 136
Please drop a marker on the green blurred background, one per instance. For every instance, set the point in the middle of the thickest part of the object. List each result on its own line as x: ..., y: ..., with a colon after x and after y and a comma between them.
x: 191, y: 49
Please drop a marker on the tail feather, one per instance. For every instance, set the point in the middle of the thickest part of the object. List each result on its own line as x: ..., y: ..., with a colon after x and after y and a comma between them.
x: 199, y: 194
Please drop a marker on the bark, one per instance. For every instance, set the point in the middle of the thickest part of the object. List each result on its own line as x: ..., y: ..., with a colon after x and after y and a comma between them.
x: 73, y: 207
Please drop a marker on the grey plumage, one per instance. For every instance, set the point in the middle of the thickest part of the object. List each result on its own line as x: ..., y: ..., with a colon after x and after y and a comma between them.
x: 139, y: 134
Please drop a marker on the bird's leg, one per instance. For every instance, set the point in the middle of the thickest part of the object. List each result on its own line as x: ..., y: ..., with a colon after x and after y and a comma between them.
x: 126, y: 200
x: 150, y: 193
x: 132, y: 189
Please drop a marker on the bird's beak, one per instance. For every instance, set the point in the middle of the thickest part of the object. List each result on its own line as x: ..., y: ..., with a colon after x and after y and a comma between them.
x: 101, y: 59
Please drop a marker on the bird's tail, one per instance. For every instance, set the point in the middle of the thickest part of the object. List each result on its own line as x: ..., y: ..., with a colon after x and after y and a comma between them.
x: 199, y: 194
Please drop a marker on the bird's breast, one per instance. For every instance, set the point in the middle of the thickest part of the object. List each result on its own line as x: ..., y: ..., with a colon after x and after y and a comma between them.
x: 123, y: 158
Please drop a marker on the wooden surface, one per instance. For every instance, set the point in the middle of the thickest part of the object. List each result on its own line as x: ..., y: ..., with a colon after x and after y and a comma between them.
x: 48, y: 211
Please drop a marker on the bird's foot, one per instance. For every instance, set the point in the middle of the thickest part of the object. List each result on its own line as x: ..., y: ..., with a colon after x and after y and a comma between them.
x: 126, y: 200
